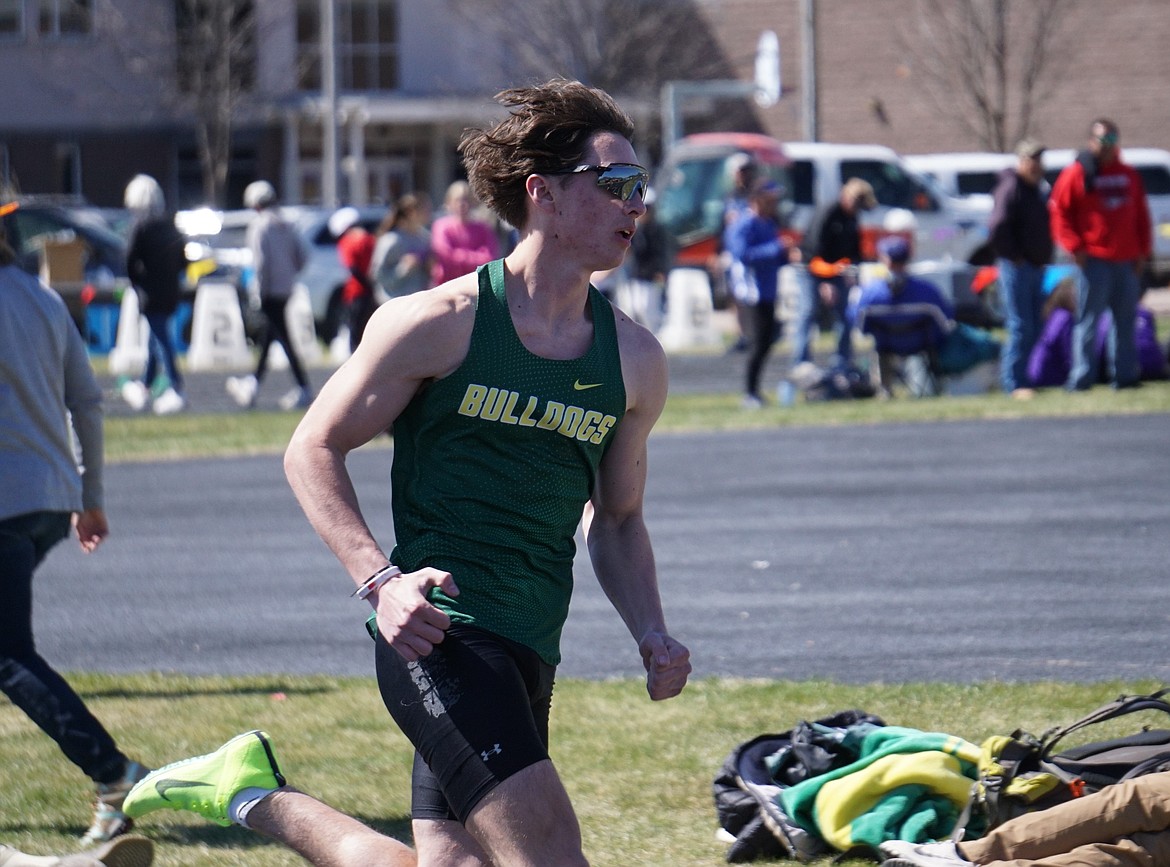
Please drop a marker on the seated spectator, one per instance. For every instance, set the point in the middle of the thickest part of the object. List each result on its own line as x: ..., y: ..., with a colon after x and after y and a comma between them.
x: 1127, y: 823
x: 1151, y: 362
x: 1051, y: 357
x: 905, y: 315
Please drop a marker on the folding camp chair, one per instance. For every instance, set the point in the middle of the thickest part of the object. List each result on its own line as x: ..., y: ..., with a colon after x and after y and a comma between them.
x: 907, y: 338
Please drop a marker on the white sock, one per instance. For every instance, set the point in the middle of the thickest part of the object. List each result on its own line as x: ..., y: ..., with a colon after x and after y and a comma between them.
x: 243, y: 801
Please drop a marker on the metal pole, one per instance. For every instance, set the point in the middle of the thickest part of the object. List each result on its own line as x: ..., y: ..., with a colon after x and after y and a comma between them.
x: 808, y: 72
x: 670, y: 123
x: 674, y: 93
x: 329, y: 99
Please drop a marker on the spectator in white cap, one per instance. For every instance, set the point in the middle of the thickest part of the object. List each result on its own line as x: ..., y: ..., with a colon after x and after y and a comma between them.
x: 277, y: 258
x: 355, y: 249
x: 155, y: 263
x: 896, y: 301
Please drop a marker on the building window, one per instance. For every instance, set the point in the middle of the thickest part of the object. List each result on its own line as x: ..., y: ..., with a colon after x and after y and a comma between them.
x: 367, y: 44
x: 11, y: 19
x: 66, y: 18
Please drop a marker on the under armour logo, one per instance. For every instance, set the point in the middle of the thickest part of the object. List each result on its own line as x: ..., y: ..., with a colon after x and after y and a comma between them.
x: 487, y: 754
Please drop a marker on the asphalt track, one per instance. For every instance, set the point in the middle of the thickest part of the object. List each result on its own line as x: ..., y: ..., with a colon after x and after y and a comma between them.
x: 952, y: 551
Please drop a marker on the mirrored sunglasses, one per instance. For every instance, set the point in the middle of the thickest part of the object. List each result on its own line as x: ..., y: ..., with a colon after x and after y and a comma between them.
x: 620, y: 180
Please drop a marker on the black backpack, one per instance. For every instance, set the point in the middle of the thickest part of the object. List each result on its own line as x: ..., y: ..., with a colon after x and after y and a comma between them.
x: 1021, y: 773
x: 755, y: 772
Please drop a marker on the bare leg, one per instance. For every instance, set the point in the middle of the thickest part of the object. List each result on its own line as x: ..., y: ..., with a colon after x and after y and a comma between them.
x: 527, y: 821
x: 447, y: 844
x: 324, y: 836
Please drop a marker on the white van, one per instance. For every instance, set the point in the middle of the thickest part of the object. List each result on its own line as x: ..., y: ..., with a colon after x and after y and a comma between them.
x: 1153, y: 164
x: 970, y: 175
x: 945, y: 228
x: 694, y: 181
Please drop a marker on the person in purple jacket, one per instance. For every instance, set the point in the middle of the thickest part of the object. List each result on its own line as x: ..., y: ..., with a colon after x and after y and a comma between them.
x: 1050, y: 360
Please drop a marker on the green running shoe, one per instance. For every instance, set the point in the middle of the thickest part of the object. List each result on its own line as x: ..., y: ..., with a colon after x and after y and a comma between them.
x: 207, y: 784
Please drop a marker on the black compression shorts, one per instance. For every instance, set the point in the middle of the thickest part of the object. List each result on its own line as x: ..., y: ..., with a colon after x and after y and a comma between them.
x: 476, y: 710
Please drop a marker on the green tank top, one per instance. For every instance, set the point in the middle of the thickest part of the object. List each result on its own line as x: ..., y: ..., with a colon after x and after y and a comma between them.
x: 493, y: 465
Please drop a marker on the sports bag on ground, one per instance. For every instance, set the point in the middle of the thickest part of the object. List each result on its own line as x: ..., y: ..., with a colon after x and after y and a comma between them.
x: 1021, y: 772
x: 754, y: 773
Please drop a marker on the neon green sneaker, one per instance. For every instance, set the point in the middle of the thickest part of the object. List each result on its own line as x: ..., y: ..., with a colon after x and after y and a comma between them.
x: 207, y: 784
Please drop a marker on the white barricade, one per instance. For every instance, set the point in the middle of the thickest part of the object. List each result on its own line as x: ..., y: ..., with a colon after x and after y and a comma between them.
x: 642, y: 300
x: 690, y: 314
x: 302, y: 330
x: 789, y: 292
x: 217, y: 330
x: 129, y: 353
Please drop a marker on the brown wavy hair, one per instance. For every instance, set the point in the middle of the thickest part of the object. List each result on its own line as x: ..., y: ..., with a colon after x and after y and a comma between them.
x: 547, y: 129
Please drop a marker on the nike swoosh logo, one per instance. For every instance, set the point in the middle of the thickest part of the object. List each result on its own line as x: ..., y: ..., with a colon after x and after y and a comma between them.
x: 165, y: 785
x: 582, y: 386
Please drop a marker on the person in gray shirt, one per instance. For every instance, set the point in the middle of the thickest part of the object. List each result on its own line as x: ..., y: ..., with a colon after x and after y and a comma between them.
x: 48, y: 395
x: 277, y: 257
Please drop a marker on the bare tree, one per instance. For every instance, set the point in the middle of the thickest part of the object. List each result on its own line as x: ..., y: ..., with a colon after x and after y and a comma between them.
x: 989, y: 63
x: 216, y: 68
x: 624, y: 46
x: 204, y: 63
x: 627, y: 47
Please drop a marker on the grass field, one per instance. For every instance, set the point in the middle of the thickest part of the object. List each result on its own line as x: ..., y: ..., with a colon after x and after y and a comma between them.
x: 639, y: 772
x: 148, y: 437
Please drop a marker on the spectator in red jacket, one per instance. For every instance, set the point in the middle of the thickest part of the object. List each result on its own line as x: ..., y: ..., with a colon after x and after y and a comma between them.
x: 1100, y: 216
x: 355, y: 249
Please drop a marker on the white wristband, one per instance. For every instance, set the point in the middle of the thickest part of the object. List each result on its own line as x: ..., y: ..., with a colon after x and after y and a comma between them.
x: 376, y: 580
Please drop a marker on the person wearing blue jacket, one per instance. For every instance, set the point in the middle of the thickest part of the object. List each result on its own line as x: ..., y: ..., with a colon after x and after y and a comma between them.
x: 898, y: 300
x: 753, y: 241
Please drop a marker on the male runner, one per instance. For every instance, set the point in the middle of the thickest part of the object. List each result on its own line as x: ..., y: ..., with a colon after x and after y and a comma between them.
x: 521, y: 403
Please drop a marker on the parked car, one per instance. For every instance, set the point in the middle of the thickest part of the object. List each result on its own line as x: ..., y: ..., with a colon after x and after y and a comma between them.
x: 943, y: 227
x: 963, y: 175
x: 217, y: 245
x: 695, y: 180
x: 1153, y: 164
x: 33, y: 225
x: 324, y: 275
x: 218, y: 250
x: 691, y: 189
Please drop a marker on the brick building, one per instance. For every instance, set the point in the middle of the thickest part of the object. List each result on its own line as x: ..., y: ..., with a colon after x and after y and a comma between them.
x: 91, y: 93
x: 873, y: 85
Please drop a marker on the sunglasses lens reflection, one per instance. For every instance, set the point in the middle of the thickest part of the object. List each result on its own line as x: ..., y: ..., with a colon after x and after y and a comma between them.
x: 624, y: 181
